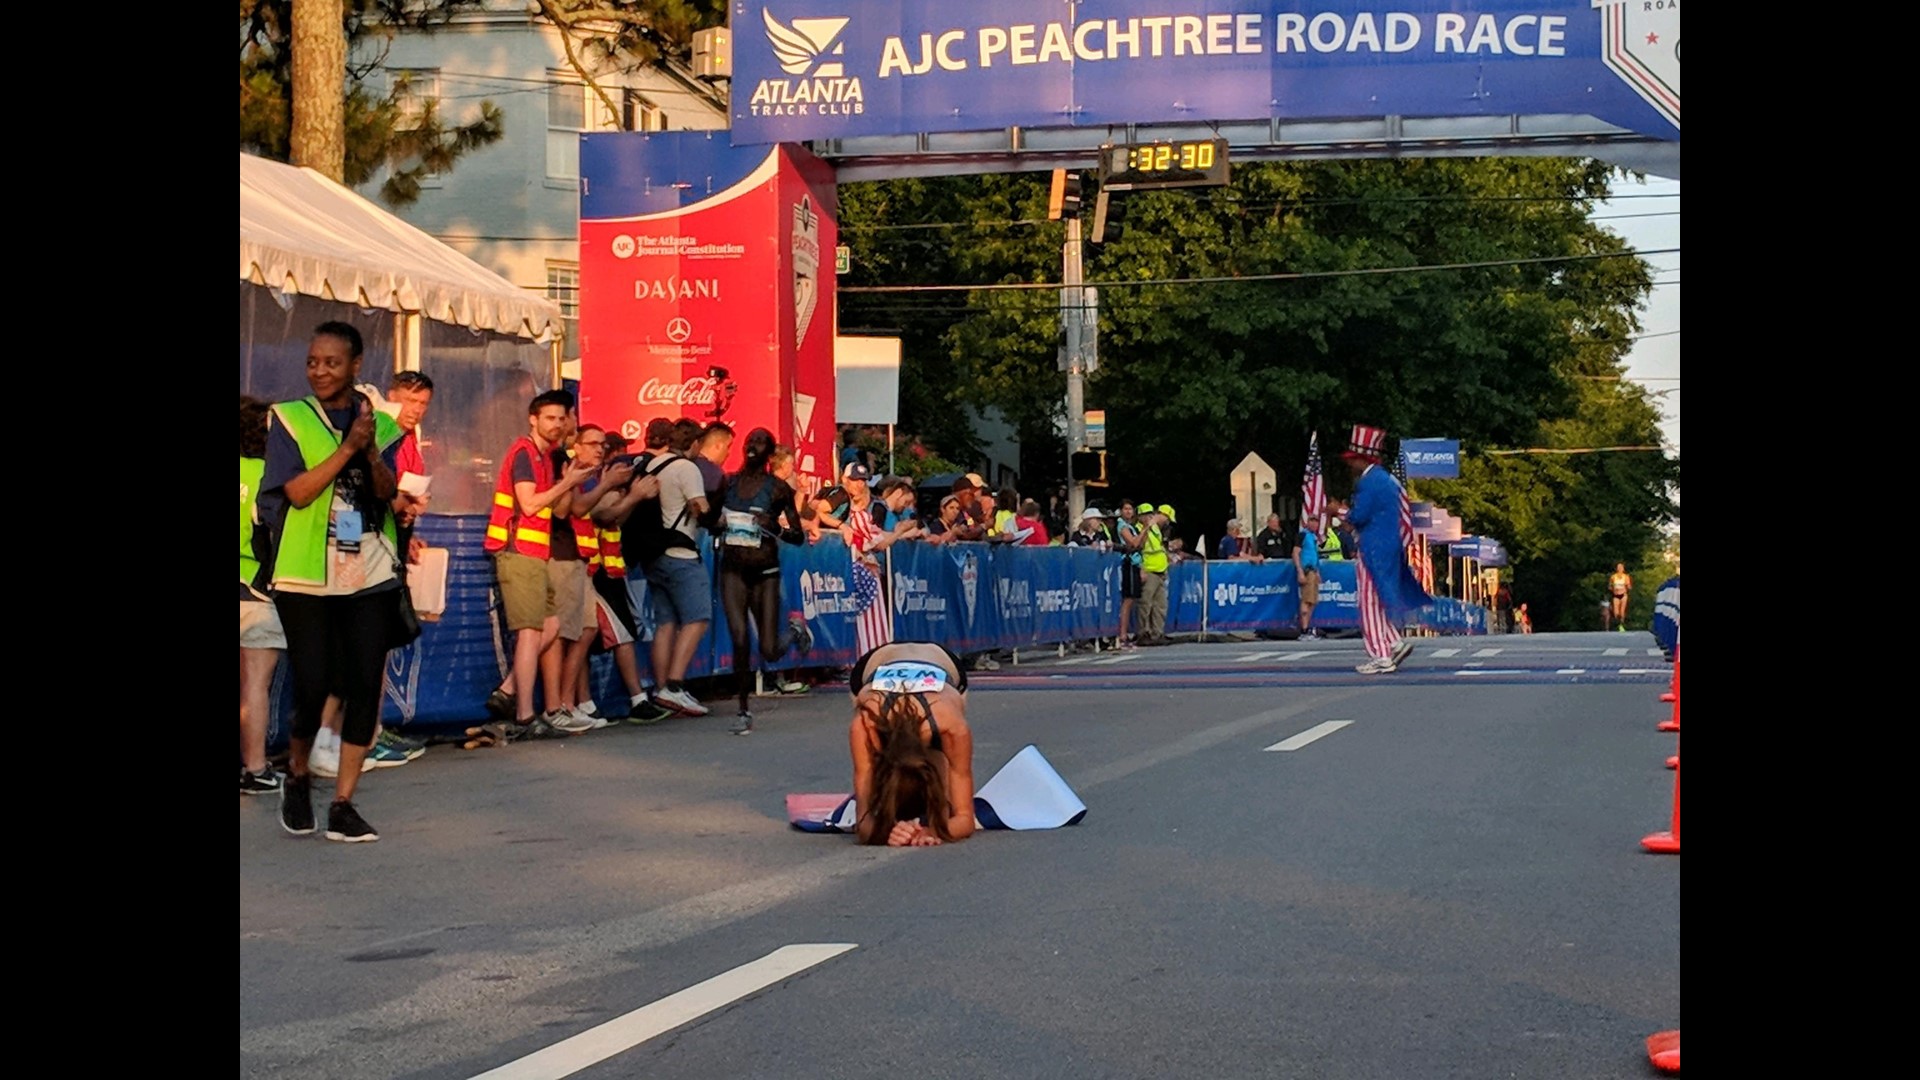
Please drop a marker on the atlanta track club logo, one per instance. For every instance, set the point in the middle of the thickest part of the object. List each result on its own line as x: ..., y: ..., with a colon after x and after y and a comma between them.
x: 813, y: 54
x: 1640, y: 42
x: 808, y: 46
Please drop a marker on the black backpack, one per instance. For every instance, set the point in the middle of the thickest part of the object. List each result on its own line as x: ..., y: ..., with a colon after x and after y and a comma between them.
x: 644, y: 534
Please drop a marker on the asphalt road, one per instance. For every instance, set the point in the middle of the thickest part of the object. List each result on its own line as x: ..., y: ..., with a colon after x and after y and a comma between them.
x: 1449, y: 884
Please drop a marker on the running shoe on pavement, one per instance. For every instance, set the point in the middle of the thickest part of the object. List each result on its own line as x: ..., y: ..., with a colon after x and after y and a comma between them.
x: 345, y: 824
x: 296, y: 805
x: 261, y: 783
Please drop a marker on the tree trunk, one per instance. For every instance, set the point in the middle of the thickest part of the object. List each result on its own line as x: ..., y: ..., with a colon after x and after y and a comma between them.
x: 319, y: 136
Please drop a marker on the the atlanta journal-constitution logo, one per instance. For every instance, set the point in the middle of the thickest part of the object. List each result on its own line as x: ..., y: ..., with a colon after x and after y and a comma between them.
x: 810, y: 50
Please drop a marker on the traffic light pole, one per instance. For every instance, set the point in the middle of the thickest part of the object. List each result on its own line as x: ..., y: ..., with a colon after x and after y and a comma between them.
x: 1072, y: 313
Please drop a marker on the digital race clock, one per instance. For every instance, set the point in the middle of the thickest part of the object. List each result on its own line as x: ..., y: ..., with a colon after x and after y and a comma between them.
x: 1146, y: 166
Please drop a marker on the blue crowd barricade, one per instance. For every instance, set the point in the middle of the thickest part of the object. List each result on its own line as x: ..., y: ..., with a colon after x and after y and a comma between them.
x: 1666, y: 615
x: 971, y: 597
x: 1338, y: 607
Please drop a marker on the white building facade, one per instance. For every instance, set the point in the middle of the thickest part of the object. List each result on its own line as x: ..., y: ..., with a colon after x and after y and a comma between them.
x: 514, y: 206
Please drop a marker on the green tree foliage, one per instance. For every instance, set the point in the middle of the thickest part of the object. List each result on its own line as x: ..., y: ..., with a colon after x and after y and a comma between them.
x: 1469, y: 298
x: 390, y: 126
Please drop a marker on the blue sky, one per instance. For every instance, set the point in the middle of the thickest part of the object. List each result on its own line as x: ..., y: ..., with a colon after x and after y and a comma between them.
x: 1647, y: 215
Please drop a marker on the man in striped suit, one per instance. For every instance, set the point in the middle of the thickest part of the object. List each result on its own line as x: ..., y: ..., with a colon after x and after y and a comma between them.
x: 1388, y: 590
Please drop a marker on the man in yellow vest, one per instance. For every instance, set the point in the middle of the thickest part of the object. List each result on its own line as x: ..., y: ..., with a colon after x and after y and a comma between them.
x: 1154, y: 561
x: 527, y: 497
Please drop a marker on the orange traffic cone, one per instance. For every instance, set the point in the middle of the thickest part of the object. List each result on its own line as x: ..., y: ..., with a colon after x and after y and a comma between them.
x: 1668, y: 843
x: 1663, y: 1050
x: 1673, y: 762
x: 1673, y: 688
x: 1672, y: 723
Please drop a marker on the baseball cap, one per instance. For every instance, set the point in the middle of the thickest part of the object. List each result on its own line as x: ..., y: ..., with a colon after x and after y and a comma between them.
x: 975, y: 479
x: 856, y: 471
x: 954, y: 499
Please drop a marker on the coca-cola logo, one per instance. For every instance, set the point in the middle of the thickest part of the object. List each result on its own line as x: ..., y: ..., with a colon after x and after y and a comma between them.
x: 698, y: 390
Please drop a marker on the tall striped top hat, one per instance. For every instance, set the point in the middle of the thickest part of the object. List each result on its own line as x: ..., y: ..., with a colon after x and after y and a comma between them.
x: 1366, y: 443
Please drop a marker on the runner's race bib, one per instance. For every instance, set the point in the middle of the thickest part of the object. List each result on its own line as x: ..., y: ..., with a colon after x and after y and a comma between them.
x: 909, y: 677
x: 743, y: 529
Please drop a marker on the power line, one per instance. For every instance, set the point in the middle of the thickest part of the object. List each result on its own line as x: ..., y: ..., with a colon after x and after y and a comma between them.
x: 1572, y: 450
x: 1022, y: 286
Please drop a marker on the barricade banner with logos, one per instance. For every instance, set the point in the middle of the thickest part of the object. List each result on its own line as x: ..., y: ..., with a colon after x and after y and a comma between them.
x: 1431, y: 458
x: 828, y: 69
x: 1251, y: 596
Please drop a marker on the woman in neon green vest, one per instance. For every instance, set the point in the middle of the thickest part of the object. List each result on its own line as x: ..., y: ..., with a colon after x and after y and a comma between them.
x: 327, y: 491
x: 261, y: 641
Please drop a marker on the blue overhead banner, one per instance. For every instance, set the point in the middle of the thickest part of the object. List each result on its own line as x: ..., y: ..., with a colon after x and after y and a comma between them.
x: 1431, y: 459
x: 827, y: 69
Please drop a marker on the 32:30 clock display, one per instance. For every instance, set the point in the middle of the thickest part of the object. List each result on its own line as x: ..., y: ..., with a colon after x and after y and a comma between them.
x: 1145, y: 166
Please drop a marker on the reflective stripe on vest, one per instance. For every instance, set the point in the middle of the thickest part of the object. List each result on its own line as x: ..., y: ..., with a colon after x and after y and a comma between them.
x: 611, y: 560
x: 527, y: 534
x: 586, y: 540
x: 1153, y: 552
x: 251, y: 469
x: 1330, y: 547
x: 300, y: 556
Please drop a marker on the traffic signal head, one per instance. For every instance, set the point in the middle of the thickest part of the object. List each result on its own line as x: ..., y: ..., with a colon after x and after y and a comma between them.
x: 1063, y: 201
x: 1109, y: 216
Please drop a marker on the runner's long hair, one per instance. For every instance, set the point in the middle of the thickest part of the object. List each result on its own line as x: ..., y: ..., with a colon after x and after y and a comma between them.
x: 909, y: 779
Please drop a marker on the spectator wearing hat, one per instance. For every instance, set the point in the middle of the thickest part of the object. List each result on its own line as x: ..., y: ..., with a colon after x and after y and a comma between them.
x: 1306, y: 568
x: 830, y: 506
x: 946, y: 525
x: 1155, y: 559
x: 1389, y: 592
x: 973, y: 520
x: 1091, y: 532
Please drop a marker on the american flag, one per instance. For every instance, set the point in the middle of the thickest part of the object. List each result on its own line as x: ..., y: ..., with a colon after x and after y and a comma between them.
x: 1419, y: 555
x: 1406, y: 509
x: 1313, y: 489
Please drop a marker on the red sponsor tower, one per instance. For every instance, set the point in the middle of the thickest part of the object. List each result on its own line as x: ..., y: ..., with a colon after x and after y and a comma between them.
x: 707, y: 287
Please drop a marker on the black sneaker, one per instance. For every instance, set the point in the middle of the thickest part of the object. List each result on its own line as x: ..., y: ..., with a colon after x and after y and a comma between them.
x: 742, y: 724
x: 345, y: 824
x: 647, y: 712
x: 262, y: 783
x: 296, y: 805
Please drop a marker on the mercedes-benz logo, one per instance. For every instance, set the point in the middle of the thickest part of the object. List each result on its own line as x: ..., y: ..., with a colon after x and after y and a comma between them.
x: 679, y: 330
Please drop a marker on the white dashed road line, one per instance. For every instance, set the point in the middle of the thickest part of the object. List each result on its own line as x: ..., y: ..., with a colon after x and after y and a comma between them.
x: 623, y: 1033
x: 1442, y: 653
x: 1615, y: 652
x: 1118, y: 659
x: 1317, y: 731
x: 1489, y: 652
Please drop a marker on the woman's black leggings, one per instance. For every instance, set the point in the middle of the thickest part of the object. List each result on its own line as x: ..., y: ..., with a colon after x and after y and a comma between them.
x: 336, y: 645
x: 756, y: 593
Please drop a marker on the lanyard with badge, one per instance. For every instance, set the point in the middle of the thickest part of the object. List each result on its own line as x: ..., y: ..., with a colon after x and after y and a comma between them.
x: 345, y: 527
